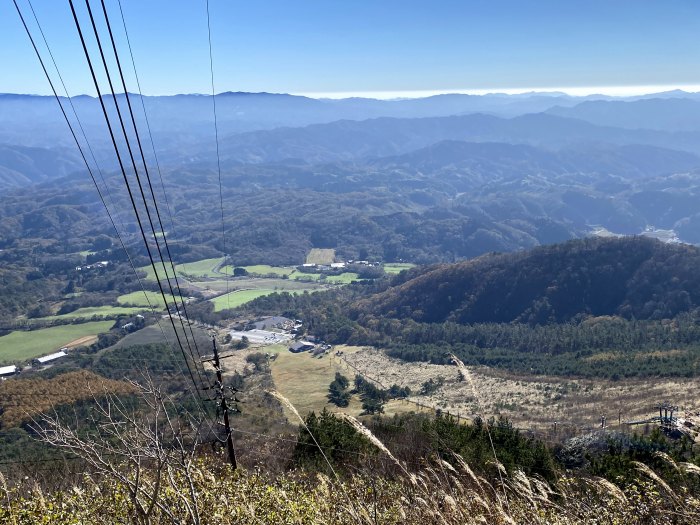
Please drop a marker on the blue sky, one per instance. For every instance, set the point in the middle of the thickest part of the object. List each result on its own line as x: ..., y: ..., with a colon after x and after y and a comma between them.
x: 375, y: 46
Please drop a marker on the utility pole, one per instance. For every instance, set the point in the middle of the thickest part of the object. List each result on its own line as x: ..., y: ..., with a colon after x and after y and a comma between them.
x: 221, y: 395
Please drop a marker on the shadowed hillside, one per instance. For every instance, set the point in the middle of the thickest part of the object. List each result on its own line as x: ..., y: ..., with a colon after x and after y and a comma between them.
x: 632, y: 277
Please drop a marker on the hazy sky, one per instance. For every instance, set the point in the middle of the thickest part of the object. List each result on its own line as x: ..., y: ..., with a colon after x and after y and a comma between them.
x: 376, y: 46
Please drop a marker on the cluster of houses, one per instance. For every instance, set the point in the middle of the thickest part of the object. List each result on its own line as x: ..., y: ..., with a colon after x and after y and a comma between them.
x: 324, y: 267
x: 276, y: 330
x: 267, y: 331
x: 365, y: 263
x: 301, y: 346
x: 337, y: 265
x: 94, y: 266
x: 134, y: 325
x: 316, y: 348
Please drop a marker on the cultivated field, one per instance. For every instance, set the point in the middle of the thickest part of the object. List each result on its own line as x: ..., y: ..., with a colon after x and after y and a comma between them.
x: 91, y: 311
x: 237, y: 298
x: 254, y: 284
x: 23, y: 346
x: 203, y: 268
x: 320, y: 256
x: 343, y: 278
x: 397, y: 267
x: 303, y: 276
x: 261, y: 269
x: 139, y: 299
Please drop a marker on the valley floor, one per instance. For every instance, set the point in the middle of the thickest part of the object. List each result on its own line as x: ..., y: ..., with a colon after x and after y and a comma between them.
x: 530, y: 402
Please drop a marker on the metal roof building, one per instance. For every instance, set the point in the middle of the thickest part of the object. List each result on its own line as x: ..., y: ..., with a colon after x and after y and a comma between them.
x: 50, y: 357
x: 8, y: 370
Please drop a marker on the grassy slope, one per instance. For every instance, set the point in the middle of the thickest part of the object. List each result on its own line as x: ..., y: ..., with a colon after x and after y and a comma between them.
x: 304, y: 380
x: 138, y: 299
x: 203, y: 268
x: 18, y: 346
x: 321, y: 256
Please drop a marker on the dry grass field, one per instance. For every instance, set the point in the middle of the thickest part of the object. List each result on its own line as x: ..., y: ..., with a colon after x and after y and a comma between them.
x: 304, y: 379
x: 533, y: 402
x: 529, y: 401
x: 321, y: 256
x: 301, y: 378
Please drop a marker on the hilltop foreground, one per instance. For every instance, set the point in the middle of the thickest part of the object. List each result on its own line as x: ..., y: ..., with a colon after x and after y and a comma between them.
x: 203, y: 492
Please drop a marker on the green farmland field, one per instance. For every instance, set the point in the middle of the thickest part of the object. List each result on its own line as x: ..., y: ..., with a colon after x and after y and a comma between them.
x: 397, y: 267
x: 203, y: 268
x: 21, y: 346
x: 138, y: 299
x: 259, y: 269
x: 264, y: 269
x: 343, y: 278
x: 105, y: 311
x: 303, y: 276
x: 237, y: 298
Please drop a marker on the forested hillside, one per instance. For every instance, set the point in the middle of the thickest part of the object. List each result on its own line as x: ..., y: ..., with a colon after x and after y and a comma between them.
x: 635, y: 278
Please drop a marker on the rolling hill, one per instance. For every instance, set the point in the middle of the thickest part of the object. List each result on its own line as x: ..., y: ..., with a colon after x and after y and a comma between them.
x: 631, y: 277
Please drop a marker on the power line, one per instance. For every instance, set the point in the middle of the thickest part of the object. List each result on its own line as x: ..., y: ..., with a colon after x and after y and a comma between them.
x: 136, y: 173
x: 218, y: 157
x: 48, y: 77
x: 70, y: 127
x: 148, y: 179
x: 148, y: 124
x: 143, y: 196
x: 77, y: 118
x: 126, y: 181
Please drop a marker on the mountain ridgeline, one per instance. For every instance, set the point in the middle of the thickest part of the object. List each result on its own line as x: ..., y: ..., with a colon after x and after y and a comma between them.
x: 635, y: 278
x: 263, y: 128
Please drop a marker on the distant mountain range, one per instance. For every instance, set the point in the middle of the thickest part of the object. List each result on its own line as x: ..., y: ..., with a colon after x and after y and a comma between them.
x: 439, y: 178
x: 263, y: 128
x: 667, y: 114
x: 361, y: 140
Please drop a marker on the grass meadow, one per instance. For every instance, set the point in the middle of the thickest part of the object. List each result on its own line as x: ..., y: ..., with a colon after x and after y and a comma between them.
x: 397, y: 267
x: 21, y: 346
x: 139, y: 299
x: 90, y: 311
x: 237, y: 298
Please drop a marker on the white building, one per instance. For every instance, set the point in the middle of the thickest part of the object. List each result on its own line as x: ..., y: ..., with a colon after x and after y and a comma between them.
x: 8, y: 370
x: 50, y: 357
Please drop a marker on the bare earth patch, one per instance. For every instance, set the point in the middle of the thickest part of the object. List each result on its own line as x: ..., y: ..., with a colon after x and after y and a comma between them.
x: 83, y: 341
